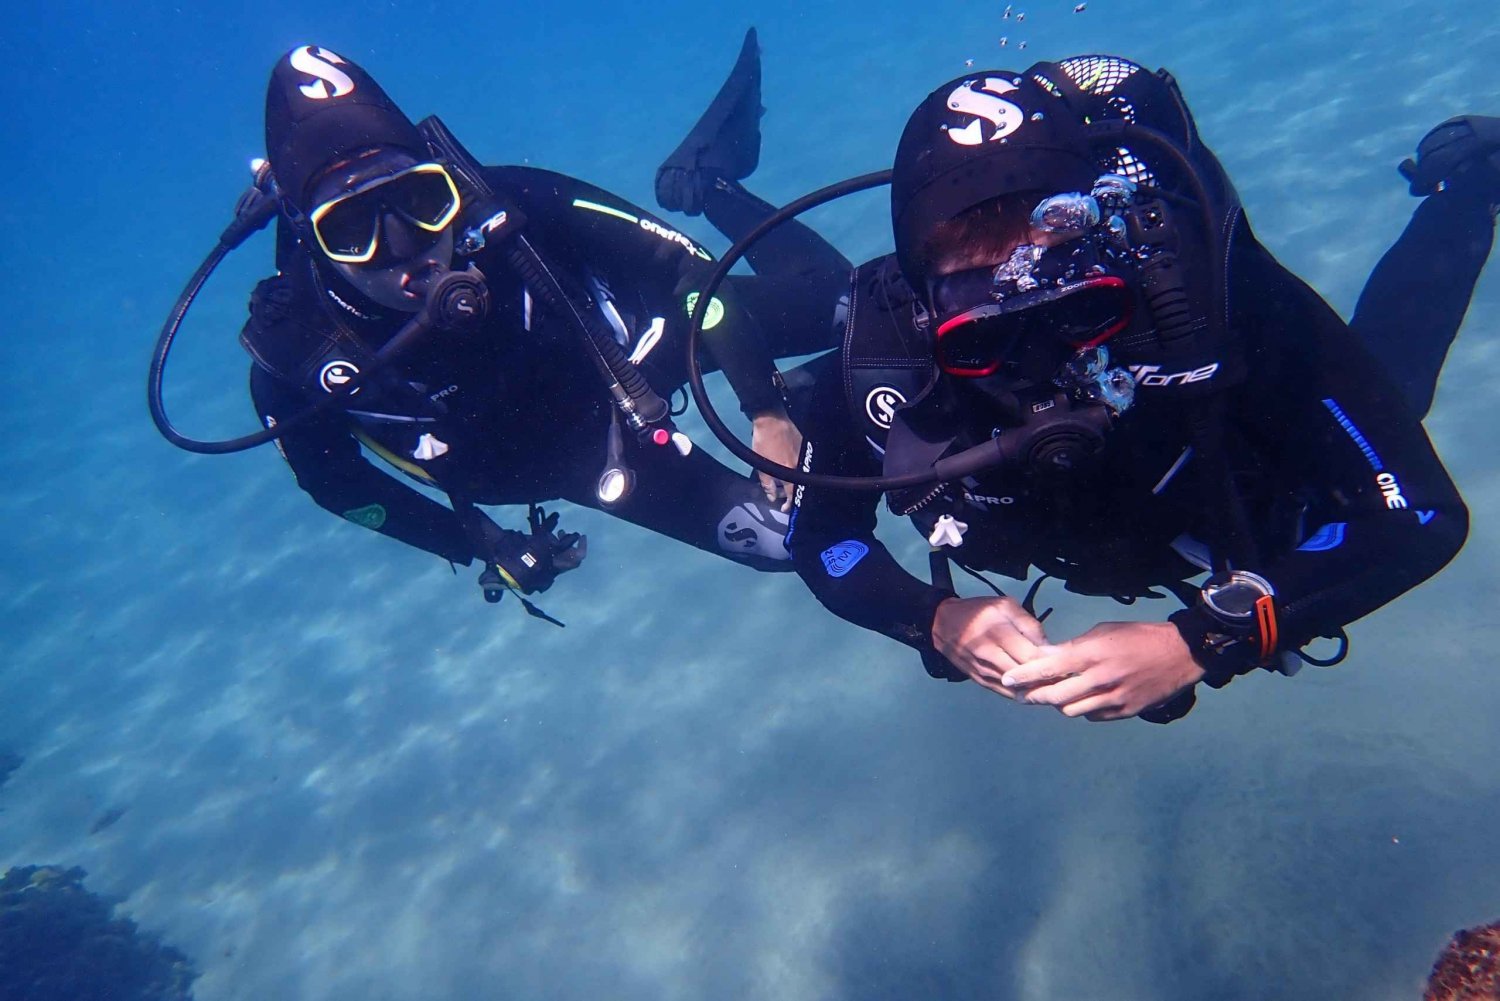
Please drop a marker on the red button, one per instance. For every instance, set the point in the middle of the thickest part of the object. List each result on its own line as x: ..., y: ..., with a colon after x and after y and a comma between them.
x: 660, y: 436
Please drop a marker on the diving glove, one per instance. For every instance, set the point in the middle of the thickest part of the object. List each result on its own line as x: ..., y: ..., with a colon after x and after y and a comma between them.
x: 515, y: 561
x: 1460, y: 151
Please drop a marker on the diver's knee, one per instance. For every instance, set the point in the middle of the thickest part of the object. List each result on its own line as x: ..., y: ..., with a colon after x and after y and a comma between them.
x: 754, y: 532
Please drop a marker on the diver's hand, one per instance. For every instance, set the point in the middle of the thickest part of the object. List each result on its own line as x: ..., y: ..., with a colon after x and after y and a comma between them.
x: 1113, y: 671
x: 773, y: 435
x: 529, y: 563
x: 567, y: 549
x: 987, y: 637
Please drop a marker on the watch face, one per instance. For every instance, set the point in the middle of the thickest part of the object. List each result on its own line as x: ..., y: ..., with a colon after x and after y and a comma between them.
x: 1233, y: 598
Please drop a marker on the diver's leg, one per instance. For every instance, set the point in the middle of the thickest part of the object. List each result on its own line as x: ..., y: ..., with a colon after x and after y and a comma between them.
x: 796, y: 314
x: 792, y: 248
x: 1414, y: 302
x: 725, y: 141
x: 702, y: 176
x: 697, y: 500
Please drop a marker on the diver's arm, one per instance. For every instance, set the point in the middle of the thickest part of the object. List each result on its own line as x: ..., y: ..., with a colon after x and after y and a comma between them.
x: 834, y: 549
x: 330, y: 467
x: 735, y: 344
x: 852, y: 573
x: 833, y: 544
x: 1341, y: 434
x: 1327, y: 424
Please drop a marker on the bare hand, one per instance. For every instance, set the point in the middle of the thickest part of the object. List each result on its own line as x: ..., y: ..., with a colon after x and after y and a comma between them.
x: 775, y: 437
x: 986, y: 637
x: 1113, y: 671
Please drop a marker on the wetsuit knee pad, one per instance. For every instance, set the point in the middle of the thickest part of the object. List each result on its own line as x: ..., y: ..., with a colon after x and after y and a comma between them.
x: 753, y: 532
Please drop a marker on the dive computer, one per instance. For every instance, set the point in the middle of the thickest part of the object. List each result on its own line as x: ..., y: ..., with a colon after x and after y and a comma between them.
x: 1233, y: 627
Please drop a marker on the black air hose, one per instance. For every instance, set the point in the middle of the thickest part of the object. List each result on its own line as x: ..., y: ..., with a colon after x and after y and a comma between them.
x: 1165, y: 288
x: 643, y: 406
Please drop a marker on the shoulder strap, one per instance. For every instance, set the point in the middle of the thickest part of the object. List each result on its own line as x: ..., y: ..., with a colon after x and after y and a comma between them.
x: 887, y: 351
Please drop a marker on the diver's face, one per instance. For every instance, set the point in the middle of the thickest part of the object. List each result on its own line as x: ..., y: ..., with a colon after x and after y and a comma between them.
x: 1013, y: 324
x: 961, y: 280
x: 379, y: 247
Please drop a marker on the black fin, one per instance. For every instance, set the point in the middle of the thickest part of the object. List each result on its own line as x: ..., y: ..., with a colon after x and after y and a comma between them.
x: 1461, y: 152
x: 723, y: 145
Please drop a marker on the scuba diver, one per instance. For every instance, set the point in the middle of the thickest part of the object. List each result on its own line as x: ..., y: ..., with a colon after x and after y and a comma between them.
x: 504, y: 335
x: 1080, y: 359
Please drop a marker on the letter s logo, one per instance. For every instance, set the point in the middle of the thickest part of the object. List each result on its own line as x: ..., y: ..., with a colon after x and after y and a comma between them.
x: 880, y: 406
x: 987, y: 106
x: 337, y: 374
x: 324, y: 65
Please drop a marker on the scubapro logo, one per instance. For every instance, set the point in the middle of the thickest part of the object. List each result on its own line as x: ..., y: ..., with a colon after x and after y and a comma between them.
x: 337, y: 374
x: 982, y: 99
x: 324, y: 66
x: 839, y: 559
x: 987, y: 500
x: 880, y: 406
x: 752, y: 530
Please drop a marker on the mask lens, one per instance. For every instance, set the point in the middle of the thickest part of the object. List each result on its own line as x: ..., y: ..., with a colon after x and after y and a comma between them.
x: 346, y: 228
x: 1091, y: 313
x: 977, y: 342
x: 425, y: 195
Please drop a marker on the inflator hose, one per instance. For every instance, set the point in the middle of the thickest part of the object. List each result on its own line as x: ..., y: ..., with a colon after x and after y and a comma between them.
x: 643, y: 406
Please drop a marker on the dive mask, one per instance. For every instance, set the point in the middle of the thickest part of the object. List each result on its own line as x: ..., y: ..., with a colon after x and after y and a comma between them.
x: 1065, y: 297
x: 987, y: 320
x: 348, y: 226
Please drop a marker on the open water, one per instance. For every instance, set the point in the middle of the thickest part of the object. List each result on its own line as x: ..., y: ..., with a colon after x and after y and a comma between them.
x: 337, y: 774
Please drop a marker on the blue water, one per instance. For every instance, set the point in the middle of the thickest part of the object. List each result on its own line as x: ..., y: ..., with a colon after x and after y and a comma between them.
x: 344, y: 776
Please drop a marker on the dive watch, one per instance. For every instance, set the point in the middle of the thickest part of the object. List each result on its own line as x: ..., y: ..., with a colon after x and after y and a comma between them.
x: 1244, y: 604
x: 1233, y: 628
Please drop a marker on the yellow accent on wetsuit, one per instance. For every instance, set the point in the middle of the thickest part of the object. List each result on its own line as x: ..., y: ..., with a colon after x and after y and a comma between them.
x: 410, y: 468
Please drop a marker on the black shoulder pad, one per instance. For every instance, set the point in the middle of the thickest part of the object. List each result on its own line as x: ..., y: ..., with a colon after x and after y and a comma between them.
x: 284, y: 330
x: 887, y: 346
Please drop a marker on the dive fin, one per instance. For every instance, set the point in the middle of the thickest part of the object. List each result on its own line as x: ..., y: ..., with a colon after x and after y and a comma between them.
x: 723, y: 145
x: 1463, y: 151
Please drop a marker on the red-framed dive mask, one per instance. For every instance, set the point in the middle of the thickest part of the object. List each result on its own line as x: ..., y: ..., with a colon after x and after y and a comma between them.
x: 1041, y: 300
x: 994, y: 328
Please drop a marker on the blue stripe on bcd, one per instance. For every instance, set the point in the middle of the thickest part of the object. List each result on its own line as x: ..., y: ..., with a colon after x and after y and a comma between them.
x: 1354, y: 433
x: 1326, y: 538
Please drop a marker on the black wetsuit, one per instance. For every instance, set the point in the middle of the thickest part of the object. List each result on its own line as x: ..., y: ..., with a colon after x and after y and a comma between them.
x: 1348, y: 504
x: 519, y: 412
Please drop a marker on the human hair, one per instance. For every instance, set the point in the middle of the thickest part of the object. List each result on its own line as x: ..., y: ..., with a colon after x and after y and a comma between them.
x: 983, y: 234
